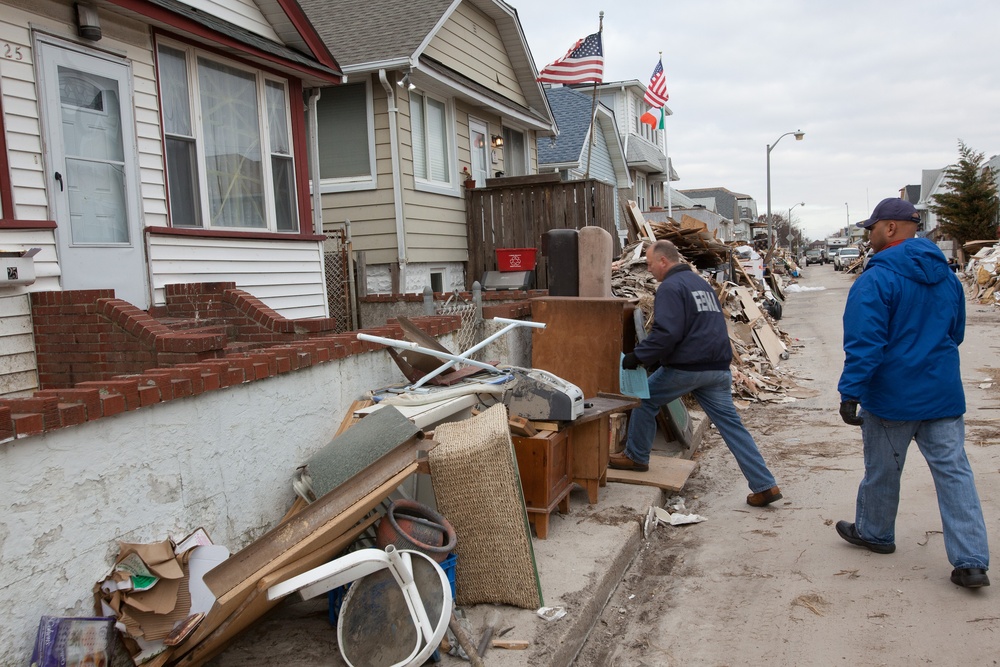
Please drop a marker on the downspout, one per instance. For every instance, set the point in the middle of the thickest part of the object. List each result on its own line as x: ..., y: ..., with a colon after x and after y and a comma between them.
x: 317, y: 196
x: 397, y: 182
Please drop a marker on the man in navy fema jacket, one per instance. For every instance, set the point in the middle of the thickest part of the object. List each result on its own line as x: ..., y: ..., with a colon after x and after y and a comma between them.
x: 903, y: 323
x: 690, y: 345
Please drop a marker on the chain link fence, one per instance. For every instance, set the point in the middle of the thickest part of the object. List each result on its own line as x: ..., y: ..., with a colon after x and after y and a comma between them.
x: 337, y: 260
x: 471, y: 312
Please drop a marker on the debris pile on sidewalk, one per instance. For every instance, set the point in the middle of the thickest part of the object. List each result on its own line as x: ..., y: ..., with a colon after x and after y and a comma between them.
x: 759, y: 346
x: 982, y: 276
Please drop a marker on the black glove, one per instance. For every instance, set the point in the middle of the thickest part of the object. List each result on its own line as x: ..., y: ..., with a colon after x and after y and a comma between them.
x: 849, y: 413
x: 630, y: 362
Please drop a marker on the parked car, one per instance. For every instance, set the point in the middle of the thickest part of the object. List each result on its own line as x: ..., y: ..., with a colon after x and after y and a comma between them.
x: 845, y: 258
x: 814, y: 257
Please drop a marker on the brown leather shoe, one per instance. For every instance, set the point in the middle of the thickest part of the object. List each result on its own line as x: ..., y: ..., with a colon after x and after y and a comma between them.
x: 764, y: 498
x: 620, y: 461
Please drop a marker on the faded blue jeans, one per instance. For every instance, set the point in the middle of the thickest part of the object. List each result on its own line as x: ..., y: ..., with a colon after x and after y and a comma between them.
x: 942, y: 442
x: 713, y: 390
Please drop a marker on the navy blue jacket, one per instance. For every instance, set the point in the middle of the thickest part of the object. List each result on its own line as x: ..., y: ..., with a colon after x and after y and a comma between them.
x: 689, y: 330
x: 904, y: 321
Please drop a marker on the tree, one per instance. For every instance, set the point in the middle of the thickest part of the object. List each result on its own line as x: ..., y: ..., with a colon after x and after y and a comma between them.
x: 968, y: 211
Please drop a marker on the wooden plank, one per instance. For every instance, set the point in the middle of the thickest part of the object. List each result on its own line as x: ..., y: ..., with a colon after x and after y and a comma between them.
x: 256, y: 604
x: 666, y: 472
x: 228, y: 603
x: 770, y: 343
x: 640, y: 222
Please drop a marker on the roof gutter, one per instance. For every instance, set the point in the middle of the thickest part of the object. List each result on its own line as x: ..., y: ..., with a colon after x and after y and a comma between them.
x: 397, y: 183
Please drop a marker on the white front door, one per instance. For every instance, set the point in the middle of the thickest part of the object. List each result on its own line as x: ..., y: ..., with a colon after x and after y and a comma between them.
x: 478, y: 144
x: 92, y: 163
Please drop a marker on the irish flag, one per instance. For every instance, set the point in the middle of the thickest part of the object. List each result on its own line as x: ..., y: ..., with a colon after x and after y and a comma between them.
x: 654, y: 118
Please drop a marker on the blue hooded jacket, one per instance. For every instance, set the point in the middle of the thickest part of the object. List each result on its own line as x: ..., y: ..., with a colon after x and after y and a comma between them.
x: 904, y: 321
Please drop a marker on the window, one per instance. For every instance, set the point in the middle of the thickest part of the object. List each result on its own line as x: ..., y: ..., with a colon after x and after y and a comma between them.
x: 227, y: 136
x: 515, y: 155
x: 345, y: 157
x: 429, y: 122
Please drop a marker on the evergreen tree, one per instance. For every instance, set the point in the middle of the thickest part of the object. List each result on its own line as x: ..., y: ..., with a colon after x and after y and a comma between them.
x: 968, y: 210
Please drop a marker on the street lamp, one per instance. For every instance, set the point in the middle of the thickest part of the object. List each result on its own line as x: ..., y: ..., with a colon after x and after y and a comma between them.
x: 798, y: 137
x: 801, y: 203
x: 848, y: 208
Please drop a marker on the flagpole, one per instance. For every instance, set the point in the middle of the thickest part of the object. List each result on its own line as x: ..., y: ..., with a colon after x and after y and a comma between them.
x: 593, y: 106
x: 666, y: 153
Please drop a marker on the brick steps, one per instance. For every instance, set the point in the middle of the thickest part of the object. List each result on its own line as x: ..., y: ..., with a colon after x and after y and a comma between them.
x: 99, y: 356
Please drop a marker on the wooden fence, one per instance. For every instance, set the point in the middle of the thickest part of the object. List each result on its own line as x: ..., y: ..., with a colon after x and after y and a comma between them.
x: 516, y: 212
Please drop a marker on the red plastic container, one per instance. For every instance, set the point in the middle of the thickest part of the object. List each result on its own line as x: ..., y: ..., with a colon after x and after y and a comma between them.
x: 515, y: 259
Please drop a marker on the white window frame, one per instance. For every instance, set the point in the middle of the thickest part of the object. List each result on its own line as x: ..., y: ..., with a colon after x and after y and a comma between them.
x: 191, y: 56
x: 357, y: 183
x: 440, y: 187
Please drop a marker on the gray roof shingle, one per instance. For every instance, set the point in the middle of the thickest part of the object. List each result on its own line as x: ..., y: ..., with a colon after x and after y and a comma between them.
x: 572, y: 111
x: 375, y: 30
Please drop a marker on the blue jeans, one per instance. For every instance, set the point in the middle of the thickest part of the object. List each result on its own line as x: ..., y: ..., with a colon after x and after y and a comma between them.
x: 713, y: 390
x: 942, y: 442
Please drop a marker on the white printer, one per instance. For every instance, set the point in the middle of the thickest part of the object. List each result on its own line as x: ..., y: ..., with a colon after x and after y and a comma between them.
x: 540, y: 395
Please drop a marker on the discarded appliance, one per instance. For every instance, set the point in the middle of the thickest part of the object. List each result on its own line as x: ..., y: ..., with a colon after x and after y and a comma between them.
x: 380, y: 623
x: 540, y: 395
x: 507, y: 280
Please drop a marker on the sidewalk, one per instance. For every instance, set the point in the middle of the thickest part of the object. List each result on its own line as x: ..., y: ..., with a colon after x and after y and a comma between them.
x: 579, y: 565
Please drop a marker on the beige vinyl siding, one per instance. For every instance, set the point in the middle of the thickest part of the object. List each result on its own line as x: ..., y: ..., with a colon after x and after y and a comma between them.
x: 470, y: 43
x: 18, y: 86
x: 244, y: 13
x: 286, y: 275
x: 435, y: 223
x: 18, y: 371
x: 371, y: 212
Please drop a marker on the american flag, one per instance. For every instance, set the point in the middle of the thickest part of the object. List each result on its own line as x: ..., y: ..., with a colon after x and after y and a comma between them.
x: 656, y: 93
x: 583, y: 63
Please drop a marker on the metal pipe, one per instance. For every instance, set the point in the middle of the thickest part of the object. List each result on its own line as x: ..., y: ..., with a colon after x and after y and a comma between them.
x: 397, y: 183
x: 406, y: 345
x: 511, y: 324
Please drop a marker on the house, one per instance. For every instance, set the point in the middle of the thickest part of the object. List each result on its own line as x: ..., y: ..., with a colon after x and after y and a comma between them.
x: 741, y: 209
x: 438, y: 93
x: 588, y: 145
x: 932, y: 182
x: 645, y: 147
x: 155, y: 142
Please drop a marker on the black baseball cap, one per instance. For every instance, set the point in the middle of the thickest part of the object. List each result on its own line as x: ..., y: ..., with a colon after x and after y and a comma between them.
x: 892, y: 208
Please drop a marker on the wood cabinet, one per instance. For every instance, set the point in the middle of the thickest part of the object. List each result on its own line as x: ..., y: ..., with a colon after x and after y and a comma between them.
x: 591, y: 440
x: 583, y: 340
x: 544, y: 463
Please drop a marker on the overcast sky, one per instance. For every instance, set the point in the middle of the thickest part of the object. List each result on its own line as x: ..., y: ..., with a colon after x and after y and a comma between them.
x: 882, y: 89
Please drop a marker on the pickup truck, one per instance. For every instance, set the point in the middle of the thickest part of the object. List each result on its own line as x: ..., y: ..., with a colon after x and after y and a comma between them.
x: 845, y: 258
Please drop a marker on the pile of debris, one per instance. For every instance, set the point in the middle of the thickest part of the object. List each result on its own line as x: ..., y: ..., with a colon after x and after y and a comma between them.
x: 982, y: 275
x: 759, y: 346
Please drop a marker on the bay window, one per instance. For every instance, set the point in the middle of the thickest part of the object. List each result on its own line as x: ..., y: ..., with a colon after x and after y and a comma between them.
x: 228, y: 145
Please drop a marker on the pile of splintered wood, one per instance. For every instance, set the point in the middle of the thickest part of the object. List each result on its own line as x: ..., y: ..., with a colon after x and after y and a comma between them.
x: 759, y: 346
x: 982, y: 276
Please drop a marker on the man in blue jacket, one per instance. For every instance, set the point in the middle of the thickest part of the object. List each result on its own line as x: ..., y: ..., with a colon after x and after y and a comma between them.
x: 904, y: 321
x: 690, y: 346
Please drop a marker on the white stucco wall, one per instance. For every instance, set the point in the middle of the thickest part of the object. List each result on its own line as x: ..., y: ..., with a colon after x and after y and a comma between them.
x: 416, y: 277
